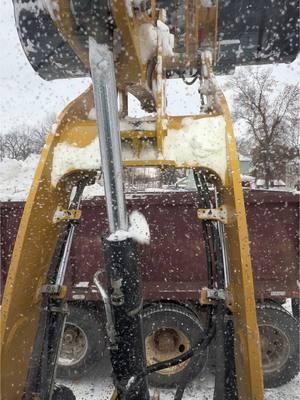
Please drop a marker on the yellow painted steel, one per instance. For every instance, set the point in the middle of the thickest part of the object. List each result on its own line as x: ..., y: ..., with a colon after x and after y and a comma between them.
x: 241, y: 291
x: 35, y: 244
x: 38, y: 234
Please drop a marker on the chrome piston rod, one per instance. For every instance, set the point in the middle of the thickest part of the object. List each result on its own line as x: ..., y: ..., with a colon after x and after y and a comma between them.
x: 106, y: 104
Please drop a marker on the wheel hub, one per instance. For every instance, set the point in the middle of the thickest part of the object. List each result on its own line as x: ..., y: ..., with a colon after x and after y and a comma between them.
x: 164, y: 344
x: 275, y: 348
x: 74, y: 345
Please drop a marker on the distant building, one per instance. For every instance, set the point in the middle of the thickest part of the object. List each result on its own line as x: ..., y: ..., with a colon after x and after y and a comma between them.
x: 245, y: 164
x: 292, y: 174
x: 274, y: 184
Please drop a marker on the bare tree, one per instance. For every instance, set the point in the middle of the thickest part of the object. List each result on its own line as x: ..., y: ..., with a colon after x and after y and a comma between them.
x: 17, y: 145
x: 22, y: 141
x: 271, y: 113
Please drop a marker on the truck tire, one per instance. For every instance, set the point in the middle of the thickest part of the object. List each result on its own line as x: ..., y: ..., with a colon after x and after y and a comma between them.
x: 279, y: 336
x: 83, y: 343
x: 170, y: 330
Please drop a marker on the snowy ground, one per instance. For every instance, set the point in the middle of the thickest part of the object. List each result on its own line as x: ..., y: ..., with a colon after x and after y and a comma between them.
x: 99, y: 387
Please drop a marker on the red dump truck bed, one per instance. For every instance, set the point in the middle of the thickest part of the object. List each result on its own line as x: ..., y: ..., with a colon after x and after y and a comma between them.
x: 173, y: 265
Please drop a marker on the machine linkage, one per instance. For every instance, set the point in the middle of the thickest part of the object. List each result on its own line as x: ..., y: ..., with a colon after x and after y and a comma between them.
x: 134, y: 47
x: 40, y: 383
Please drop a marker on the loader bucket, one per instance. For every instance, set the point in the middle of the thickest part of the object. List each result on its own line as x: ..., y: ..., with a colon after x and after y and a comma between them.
x: 249, y: 32
x: 257, y: 32
x: 49, y: 51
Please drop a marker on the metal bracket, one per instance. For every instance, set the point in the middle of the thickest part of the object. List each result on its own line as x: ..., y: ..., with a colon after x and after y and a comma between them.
x: 62, y: 214
x: 117, y: 296
x: 214, y: 214
x: 57, y: 291
x: 210, y: 296
x: 108, y: 310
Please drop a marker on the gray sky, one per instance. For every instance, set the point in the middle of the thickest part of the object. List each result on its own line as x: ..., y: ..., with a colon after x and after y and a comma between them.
x: 27, y: 99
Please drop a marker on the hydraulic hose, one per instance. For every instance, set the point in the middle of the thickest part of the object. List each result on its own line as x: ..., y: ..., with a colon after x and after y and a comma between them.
x: 216, y: 276
x: 173, y: 361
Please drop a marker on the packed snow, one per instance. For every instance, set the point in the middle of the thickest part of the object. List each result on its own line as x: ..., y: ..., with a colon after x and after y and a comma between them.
x: 200, y: 141
x: 148, y: 41
x: 16, y: 178
x: 99, y: 386
x: 150, y: 37
x: 165, y: 39
x: 138, y: 229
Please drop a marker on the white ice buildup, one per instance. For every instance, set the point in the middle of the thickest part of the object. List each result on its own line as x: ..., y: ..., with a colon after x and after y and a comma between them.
x: 138, y: 230
x: 92, y: 114
x: 67, y: 158
x: 199, y: 142
x: 148, y: 41
x: 165, y: 38
x: 150, y: 37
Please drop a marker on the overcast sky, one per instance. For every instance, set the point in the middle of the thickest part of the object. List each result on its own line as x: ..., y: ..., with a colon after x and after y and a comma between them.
x: 27, y: 99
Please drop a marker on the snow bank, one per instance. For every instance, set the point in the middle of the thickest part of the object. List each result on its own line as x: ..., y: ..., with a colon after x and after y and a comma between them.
x: 16, y: 178
x: 201, y: 141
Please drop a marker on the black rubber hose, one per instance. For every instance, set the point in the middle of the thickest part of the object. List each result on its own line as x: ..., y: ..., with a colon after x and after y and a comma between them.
x: 181, y: 388
x: 183, y: 357
x: 194, y: 77
x: 180, y: 391
x: 214, y: 256
x: 174, y: 361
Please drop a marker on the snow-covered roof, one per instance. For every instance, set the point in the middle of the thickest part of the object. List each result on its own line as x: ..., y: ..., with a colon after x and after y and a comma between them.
x: 248, y: 178
x: 275, y: 182
x: 244, y: 158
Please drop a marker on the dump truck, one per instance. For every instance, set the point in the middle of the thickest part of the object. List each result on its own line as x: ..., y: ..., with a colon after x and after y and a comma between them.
x: 173, y: 269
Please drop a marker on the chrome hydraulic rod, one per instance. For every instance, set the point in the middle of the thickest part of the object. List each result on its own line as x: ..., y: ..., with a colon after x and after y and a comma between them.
x: 223, y: 245
x: 106, y: 104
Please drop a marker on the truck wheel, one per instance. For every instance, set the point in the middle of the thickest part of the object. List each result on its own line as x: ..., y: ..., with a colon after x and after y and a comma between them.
x: 279, y: 336
x: 169, y: 331
x: 83, y: 342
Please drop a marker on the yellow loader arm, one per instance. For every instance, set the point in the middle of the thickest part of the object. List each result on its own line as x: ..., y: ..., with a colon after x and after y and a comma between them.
x: 151, y: 43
